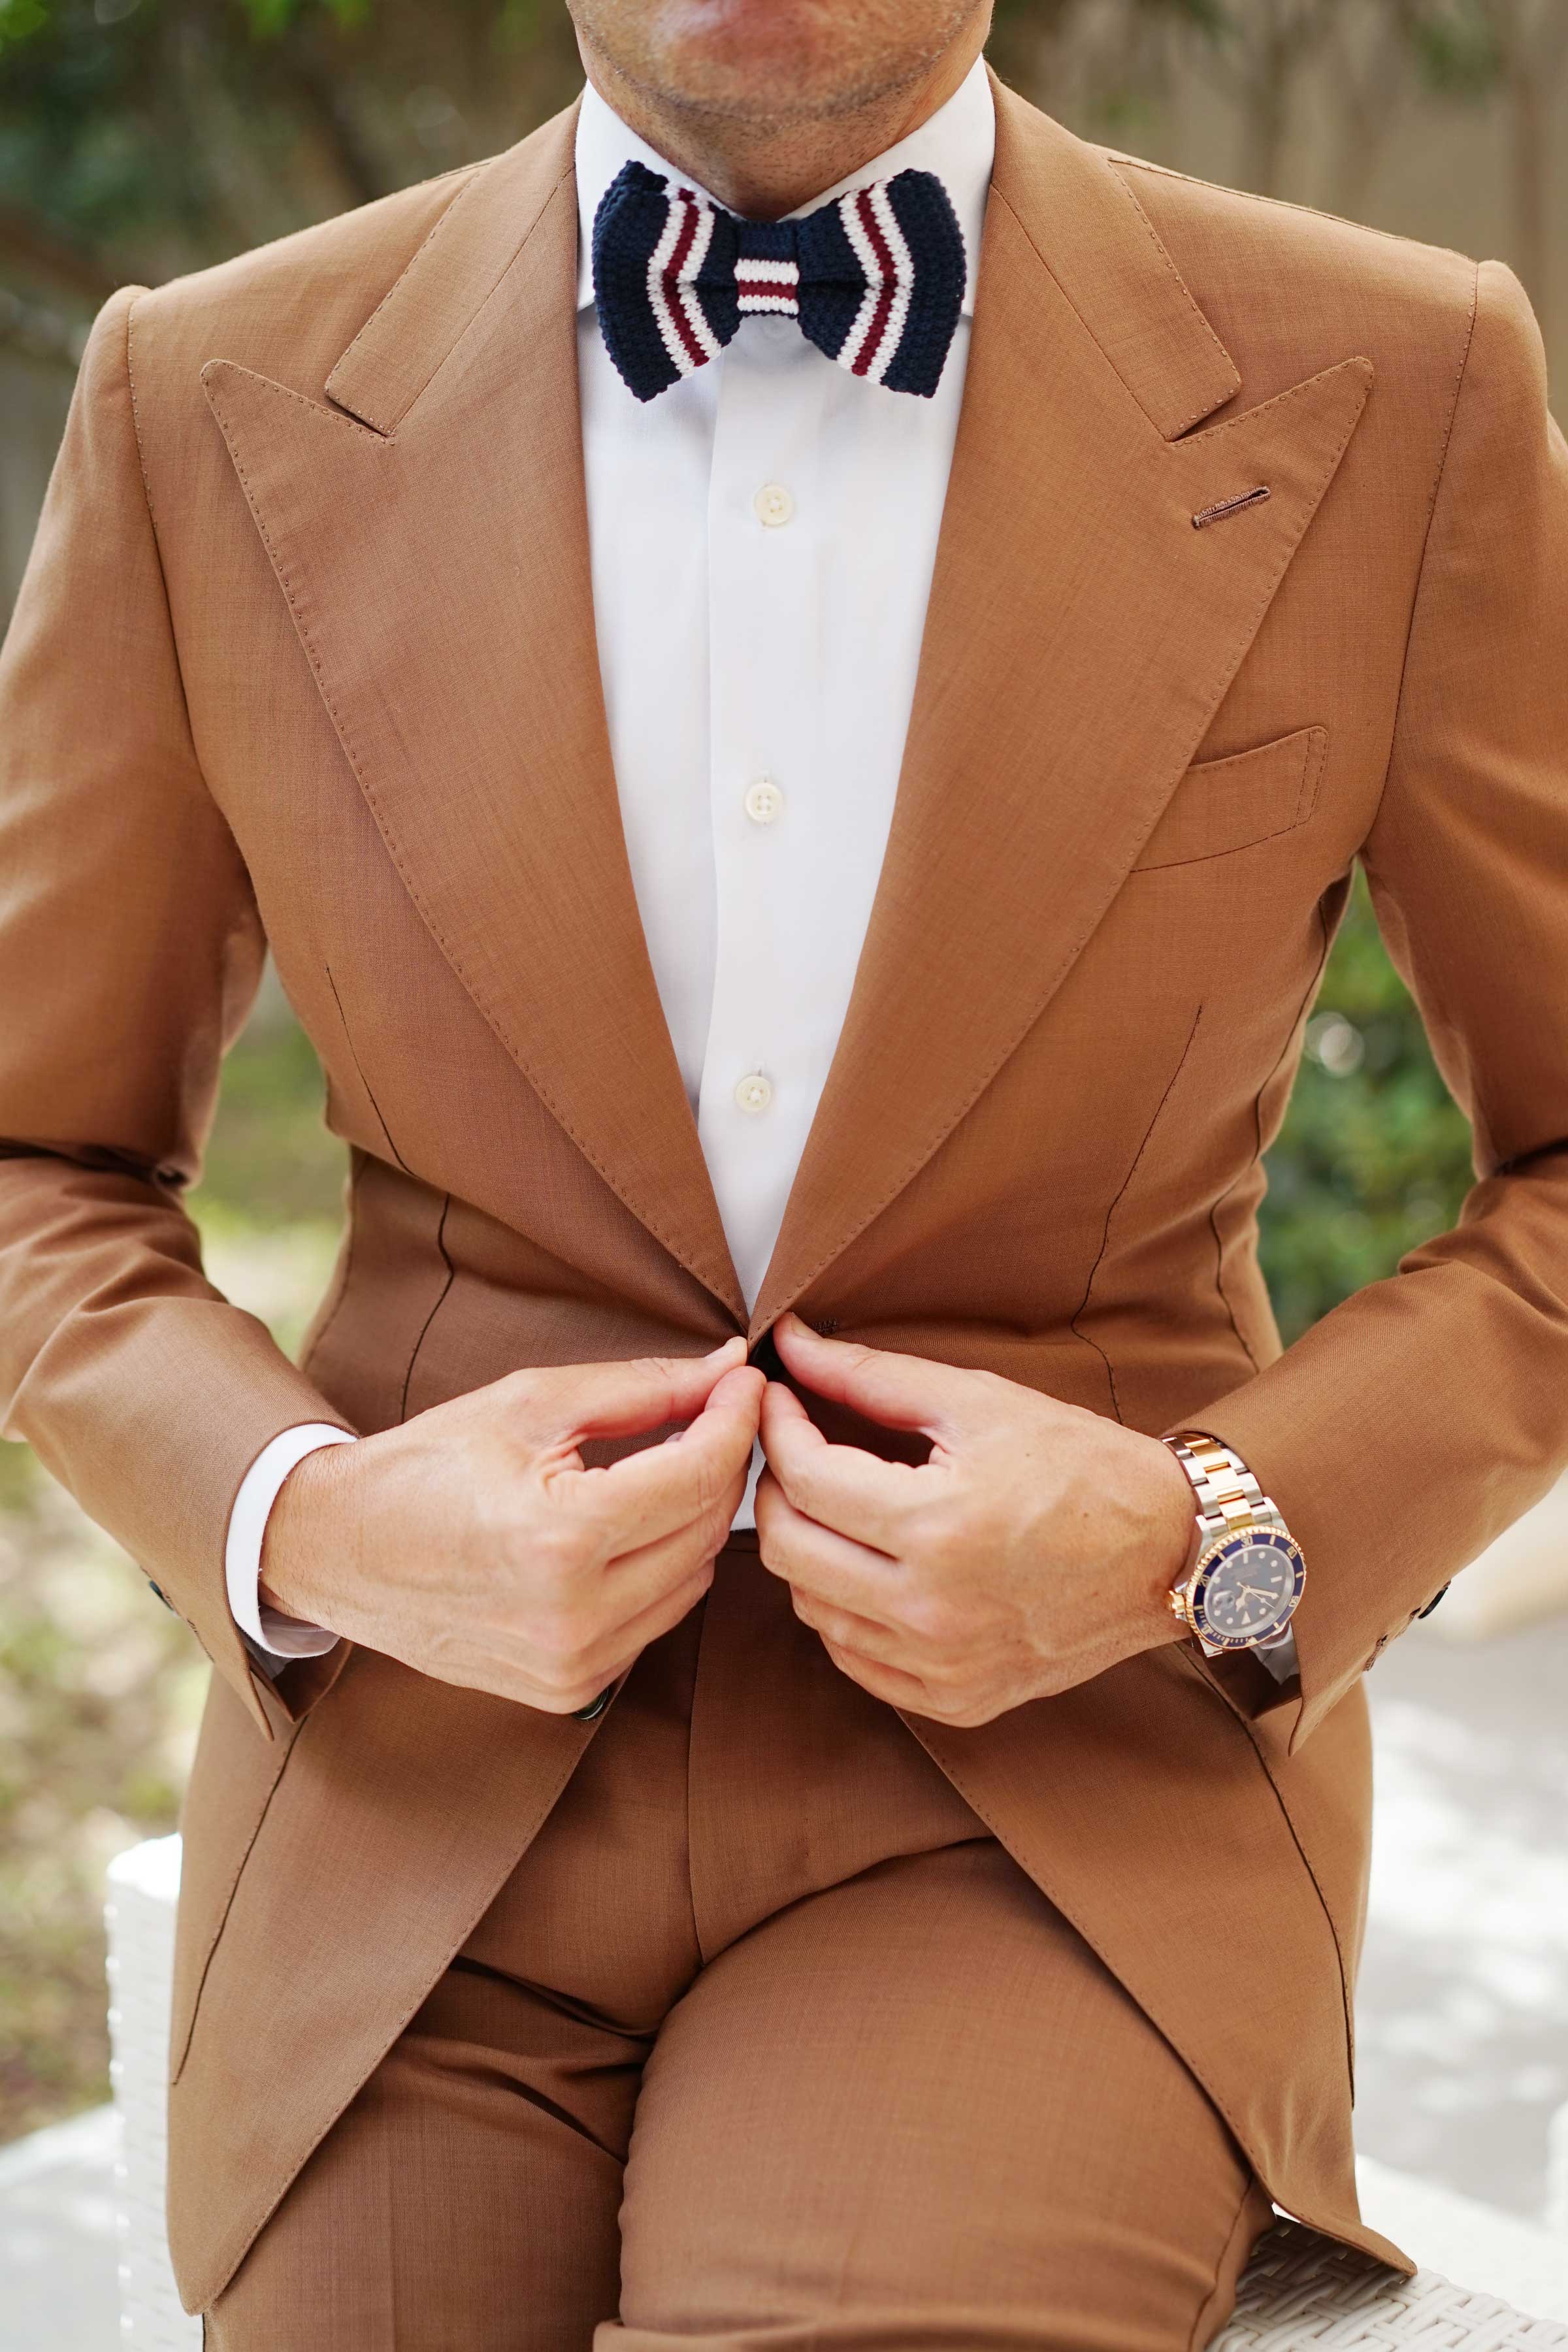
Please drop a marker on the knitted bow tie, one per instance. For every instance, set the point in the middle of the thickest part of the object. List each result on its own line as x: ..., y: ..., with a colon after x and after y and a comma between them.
x: 875, y: 278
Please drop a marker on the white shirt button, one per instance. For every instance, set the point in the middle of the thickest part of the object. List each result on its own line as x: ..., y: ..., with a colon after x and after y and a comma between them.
x: 753, y: 1093
x: 774, y: 506
x: 764, y: 801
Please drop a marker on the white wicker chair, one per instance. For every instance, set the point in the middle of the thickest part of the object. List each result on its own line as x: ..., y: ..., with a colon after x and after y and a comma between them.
x: 1301, y: 2290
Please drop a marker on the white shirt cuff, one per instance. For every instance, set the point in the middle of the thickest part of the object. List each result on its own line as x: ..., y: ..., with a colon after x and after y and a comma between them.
x: 267, y: 1629
x: 1281, y: 1659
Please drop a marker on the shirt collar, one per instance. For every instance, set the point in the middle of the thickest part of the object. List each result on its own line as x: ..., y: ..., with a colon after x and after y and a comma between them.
x: 958, y: 143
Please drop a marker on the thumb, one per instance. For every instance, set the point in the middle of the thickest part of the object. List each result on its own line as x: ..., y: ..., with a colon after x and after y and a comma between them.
x: 578, y: 1400
x: 737, y: 1396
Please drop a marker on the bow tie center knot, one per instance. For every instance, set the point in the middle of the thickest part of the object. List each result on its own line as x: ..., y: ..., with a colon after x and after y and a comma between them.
x: 767, y: 268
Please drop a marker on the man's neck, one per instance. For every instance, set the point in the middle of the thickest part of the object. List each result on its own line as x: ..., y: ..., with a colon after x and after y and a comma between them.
x: 766, y: 169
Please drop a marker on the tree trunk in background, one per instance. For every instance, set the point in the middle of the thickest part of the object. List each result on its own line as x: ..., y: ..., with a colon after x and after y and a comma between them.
x: 1367, y: 59
x: 1266, y: 109
x: 33, y: 251
x: 1533, y: 47
x: 1527, y: 107
x: 326, y: 103
x: 1261, y: 51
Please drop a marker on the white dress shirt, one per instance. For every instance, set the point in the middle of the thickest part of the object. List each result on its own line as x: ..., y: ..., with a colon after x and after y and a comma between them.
x: 762, y: 537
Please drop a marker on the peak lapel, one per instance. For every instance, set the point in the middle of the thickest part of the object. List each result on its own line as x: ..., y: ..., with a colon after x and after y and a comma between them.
x: 1080, y: 637
x: 430, y: 533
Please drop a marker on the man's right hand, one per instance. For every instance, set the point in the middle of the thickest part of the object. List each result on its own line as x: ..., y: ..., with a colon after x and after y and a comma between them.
x: 471, y: 1542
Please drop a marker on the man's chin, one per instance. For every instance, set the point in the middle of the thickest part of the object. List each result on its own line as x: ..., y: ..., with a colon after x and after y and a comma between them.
x: 766, y: 62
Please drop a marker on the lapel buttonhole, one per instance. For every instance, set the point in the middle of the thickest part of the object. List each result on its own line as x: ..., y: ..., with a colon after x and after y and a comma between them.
x: 1206, y: 515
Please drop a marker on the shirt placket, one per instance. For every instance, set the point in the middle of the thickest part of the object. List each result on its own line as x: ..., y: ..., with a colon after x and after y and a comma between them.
x: 765, y: 532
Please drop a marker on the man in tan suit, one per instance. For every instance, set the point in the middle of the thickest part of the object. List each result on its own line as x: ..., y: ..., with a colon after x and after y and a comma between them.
x: 801, y: 778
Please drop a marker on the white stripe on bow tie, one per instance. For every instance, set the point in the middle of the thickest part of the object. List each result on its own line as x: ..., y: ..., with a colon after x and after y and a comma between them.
x: 677, y: 258
x: 870, y: 223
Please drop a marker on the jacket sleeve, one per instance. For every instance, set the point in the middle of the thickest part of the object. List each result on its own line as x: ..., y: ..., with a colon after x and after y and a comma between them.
x: 1418, y: 1419
x: 131, y: 950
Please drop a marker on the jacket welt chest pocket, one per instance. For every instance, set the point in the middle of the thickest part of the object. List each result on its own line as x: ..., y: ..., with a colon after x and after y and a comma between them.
x: 1225, y: 804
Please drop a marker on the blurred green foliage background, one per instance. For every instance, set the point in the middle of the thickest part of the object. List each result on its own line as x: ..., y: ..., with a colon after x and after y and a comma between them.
x: 140, y: 138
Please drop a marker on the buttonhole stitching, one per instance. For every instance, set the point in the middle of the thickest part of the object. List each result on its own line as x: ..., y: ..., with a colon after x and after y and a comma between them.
x: 1205, y: 515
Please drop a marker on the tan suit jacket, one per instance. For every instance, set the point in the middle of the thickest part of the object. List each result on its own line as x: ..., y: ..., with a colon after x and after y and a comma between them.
x: 306, y: 654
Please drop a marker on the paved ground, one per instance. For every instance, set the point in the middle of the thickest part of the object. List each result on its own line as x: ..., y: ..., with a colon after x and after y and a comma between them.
x: 1463, y: 2031
x: 58, y: 2285
x: 1463, y: 2008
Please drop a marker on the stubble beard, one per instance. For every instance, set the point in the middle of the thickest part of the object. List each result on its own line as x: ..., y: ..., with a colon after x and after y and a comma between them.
x: 855, y: 64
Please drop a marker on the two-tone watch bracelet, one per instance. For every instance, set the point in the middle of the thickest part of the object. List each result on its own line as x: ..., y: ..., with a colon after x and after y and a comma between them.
x: 1229, y: 1495
x: 1228, y: 1498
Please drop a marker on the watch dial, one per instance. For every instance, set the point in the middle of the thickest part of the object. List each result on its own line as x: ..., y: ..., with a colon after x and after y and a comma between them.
x: 1249, y: 1591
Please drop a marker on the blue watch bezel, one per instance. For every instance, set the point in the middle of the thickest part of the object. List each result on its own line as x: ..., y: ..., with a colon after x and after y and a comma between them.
x: 1215, y: 1557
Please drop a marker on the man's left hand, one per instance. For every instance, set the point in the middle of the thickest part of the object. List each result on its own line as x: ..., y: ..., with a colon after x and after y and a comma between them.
x: 1036, y: 1548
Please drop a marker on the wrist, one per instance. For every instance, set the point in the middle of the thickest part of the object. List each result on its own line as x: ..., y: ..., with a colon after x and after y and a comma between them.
x: 1163, y: 1544
x: 1173, y: 1521
x: 303, y: 1547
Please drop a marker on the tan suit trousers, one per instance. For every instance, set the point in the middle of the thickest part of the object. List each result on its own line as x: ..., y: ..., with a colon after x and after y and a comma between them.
x: 767, y: 2043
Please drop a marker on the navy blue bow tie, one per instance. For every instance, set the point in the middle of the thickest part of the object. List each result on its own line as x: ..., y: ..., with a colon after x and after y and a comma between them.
x: 875, y: 278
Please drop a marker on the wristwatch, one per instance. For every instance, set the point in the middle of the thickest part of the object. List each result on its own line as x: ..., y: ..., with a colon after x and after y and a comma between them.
x: 1245, y: 1571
